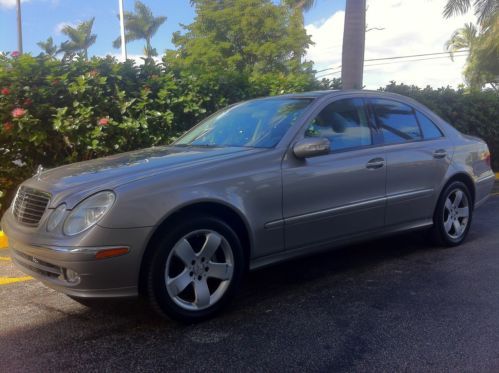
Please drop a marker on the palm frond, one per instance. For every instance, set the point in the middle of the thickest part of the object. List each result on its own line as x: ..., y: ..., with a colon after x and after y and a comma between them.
x: 454, y: 7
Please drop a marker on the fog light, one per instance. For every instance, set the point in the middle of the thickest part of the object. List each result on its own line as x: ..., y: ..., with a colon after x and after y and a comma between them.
x: 72, y: 276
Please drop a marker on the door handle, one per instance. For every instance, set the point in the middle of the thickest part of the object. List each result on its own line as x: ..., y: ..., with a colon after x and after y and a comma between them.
x: 440, y: 153
x: 375, y: 163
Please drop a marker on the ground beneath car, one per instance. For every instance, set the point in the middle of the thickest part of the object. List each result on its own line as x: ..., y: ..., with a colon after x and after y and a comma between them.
x: 392, y: 304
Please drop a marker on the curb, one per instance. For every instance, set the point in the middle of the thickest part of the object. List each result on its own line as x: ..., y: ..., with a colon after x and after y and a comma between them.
x: 4, y: 242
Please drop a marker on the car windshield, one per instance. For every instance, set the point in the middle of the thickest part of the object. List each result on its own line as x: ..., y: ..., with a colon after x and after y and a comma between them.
x: 259, y: 124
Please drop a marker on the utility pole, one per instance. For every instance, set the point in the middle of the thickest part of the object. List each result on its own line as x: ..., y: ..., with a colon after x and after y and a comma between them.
x: 122, y: 29
x: 354, y: 36
x: 19, y: 28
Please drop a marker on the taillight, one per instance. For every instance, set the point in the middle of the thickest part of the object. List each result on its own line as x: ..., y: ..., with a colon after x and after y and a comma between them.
x: 486, y: 158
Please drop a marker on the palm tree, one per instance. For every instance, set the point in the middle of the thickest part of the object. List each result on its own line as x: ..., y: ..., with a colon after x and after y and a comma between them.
x: 48, y: 47
x: 485, y: 10
x: 80, y: 38
x: 480, y: 68
x: 299, y: 7
x: 141, y: 25
x: 464, y: 38
x: 354, y: 36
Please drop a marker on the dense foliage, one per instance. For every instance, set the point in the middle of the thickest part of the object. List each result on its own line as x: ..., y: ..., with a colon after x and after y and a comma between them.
x: 262, y: 47
x: 482, y: 41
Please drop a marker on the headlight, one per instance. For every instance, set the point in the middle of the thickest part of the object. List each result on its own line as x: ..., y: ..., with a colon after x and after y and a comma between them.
x: 88, y: 212
x: 56, y: 217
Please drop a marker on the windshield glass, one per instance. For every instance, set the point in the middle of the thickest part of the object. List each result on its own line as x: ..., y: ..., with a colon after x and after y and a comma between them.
x: 259, y: 124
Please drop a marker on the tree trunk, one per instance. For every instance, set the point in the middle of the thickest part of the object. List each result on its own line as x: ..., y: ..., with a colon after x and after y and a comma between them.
x: 354, y: 37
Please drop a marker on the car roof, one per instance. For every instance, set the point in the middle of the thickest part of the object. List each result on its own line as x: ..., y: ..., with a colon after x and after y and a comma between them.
x: 337, y: 92
x: 334, y: 92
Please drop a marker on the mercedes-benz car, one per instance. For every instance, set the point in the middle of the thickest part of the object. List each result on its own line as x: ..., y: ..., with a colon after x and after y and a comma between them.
x: 254, y: 184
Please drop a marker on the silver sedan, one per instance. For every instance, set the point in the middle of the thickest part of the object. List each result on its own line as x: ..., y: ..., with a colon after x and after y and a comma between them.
x: 256, y: 183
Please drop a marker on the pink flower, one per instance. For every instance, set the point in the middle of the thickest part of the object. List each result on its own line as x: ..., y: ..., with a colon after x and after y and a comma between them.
x: 5, y: 91
x: 28, y: 102
x: 103, y: 121
x: 18, y: 112
x: 15, y: 54
x: 7, y: 126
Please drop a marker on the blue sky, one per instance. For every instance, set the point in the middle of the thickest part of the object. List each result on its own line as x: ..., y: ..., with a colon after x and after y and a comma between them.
x: 43, y: 18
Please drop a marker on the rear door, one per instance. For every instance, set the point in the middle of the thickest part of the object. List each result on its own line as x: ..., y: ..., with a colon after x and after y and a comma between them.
x: 341, y: 193
x: 417, y: 157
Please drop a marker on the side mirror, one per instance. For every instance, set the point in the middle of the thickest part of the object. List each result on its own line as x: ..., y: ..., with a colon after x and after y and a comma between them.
x: 311, y: 147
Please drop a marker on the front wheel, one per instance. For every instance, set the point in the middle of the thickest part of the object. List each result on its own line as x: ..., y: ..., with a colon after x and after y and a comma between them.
x: 452, y: 218
x: 196, y: 269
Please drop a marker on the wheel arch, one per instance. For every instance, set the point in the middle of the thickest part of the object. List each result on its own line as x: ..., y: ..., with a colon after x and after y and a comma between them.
x: 230, y: 215
x: 465, y: 179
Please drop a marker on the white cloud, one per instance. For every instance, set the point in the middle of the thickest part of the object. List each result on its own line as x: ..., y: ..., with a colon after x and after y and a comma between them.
x: 9, y: 3
x: 12, y: 3
x: 410, y: 27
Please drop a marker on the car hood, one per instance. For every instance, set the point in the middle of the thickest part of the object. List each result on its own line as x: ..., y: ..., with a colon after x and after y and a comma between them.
x: 84, y: 178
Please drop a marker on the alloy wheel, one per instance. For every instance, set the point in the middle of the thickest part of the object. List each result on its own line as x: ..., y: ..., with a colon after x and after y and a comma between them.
x: 456, y: 213
x: 199, y: 270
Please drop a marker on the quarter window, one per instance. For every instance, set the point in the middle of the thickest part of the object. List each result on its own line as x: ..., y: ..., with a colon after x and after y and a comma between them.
x: 344, y: 123
x: 429, y: 129
x: 396, y: 121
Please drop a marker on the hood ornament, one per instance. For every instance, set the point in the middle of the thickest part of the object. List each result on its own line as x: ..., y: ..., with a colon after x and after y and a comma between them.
x: 39, y: 171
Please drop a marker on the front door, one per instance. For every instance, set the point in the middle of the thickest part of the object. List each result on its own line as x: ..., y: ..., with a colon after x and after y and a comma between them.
x: 339, y: 194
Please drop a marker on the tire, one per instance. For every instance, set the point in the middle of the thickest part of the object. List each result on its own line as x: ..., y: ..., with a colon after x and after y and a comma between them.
x: 453, y: 215
x: 196, y: 269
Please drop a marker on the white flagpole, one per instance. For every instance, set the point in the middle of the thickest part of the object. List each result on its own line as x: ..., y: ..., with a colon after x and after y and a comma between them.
x: 122, y: 29
x: 19, y: 28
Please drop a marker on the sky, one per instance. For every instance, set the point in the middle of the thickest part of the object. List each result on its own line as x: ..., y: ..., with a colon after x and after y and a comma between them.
x: 406, y: 27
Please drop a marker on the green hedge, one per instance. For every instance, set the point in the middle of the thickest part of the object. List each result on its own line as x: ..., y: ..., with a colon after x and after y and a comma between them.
x: 55, y: 112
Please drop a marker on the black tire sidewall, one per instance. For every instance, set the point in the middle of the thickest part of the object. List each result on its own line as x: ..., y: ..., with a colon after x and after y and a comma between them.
x: 442, y: 235
x: 157, y: 291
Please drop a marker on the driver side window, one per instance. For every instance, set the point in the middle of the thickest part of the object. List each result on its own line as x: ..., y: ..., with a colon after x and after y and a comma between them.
x: 344, y: 123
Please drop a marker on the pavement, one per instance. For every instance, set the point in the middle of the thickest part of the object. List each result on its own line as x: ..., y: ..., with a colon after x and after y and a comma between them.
x: 395, y: 304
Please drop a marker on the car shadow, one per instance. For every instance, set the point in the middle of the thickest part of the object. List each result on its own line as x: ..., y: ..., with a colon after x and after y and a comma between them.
x: 269, y: 282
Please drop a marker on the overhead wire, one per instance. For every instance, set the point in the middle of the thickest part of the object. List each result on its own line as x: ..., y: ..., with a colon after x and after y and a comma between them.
x: 338, y: 68
x: 456, y: 53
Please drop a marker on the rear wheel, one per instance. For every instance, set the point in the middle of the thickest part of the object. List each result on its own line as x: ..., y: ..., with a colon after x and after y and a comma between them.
x: 453, y: 215
x: 196, y: 269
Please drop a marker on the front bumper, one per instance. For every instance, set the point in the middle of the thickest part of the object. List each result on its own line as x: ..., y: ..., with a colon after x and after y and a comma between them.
x: 56, y: 265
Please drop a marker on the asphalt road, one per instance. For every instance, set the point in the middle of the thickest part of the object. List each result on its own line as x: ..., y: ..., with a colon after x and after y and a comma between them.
x: 390, y: 305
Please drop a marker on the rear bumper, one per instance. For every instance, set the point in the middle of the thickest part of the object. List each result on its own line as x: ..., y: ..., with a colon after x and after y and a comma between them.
x: 483, y: 188
x: 73, y: 269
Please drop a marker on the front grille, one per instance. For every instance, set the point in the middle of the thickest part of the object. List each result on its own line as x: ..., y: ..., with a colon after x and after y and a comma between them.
x: 29, y: 205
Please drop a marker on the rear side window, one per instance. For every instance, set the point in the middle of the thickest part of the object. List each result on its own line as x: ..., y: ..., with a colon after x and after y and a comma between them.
x: 429, y: 129
x: 397, y: 121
